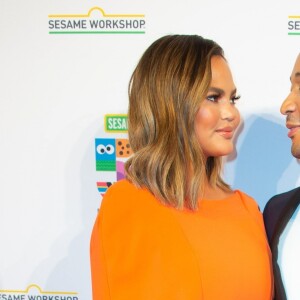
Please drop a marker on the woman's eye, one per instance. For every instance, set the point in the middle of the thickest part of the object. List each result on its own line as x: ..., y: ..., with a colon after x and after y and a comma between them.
x: 213, y: 98
x: 234, y: 99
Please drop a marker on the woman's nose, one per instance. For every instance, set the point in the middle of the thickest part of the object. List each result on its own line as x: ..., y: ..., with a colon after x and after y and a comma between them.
x: 229, y: 112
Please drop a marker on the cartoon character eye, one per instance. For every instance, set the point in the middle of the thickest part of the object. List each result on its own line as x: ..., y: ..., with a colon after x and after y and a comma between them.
x: 101, y: 149
x: 110, y: 149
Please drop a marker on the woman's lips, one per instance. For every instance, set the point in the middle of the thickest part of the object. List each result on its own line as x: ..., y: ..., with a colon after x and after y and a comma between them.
x: 226, y: 132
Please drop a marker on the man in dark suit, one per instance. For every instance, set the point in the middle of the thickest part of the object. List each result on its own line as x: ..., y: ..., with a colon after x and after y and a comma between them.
x: 282, y: 212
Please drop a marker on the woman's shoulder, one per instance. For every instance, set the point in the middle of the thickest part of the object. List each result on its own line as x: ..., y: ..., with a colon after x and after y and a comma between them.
x: 123, y: 196
x: 122, y: 186
x: 249, y: 202
x: 124, y: 189
x: 126, y: 208
x: 252, y: 207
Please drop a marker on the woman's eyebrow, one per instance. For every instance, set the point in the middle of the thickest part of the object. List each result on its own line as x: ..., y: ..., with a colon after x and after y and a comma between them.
x: 216, y: 90
x: 220, y: 91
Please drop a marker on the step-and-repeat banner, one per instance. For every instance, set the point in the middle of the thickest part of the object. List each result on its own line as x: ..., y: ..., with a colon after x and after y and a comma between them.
x: 64, y: 72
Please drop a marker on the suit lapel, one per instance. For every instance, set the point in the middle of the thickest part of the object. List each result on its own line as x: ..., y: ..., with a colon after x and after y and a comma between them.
x: 284, y: 218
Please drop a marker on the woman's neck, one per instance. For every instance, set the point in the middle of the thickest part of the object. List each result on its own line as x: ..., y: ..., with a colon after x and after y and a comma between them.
x: 210, y: 192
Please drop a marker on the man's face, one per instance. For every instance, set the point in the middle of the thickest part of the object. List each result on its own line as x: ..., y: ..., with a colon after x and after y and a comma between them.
x: 291, y: 108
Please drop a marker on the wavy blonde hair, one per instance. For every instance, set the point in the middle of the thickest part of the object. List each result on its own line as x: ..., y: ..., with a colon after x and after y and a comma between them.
x: 165, y: 91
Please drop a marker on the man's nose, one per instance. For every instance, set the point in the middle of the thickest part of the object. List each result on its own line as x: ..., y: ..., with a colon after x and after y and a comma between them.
x: 289, y: 105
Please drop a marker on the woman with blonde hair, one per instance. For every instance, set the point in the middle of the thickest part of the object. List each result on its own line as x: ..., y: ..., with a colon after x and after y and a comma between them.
x: 173, y: 229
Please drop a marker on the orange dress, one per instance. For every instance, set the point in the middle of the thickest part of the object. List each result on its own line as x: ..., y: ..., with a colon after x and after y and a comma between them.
x: 143, y: 250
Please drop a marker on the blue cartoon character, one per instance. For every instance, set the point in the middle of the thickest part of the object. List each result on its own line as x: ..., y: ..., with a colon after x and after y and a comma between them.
x: 105, y: 154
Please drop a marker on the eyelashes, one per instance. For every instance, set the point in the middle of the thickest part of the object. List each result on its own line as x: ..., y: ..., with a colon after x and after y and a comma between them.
x: 213, y: 98
x: 234, y: 99
x: 217, y: 97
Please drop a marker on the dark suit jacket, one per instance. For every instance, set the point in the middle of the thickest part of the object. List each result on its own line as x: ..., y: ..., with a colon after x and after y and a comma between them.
x: 277, y: 213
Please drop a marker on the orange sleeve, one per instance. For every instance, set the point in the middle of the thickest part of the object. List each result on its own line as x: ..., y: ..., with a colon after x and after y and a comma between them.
x: 100, y: 287
x: 138, y: 251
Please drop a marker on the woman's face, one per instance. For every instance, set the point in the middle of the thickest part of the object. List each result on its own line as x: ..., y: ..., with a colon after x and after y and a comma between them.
x: 217, y: 117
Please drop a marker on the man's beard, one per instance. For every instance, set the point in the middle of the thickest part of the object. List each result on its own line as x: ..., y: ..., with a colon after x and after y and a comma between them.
x: 296, y: 149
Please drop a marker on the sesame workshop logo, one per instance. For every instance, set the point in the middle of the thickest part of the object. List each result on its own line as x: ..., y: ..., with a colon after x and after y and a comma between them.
x: 96, y: 21
x: 34, y: 292
x: 294, y: 25
x: 111, y: 153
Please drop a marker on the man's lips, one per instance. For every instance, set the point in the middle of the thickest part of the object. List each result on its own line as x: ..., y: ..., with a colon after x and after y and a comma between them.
x: 293, y: 129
